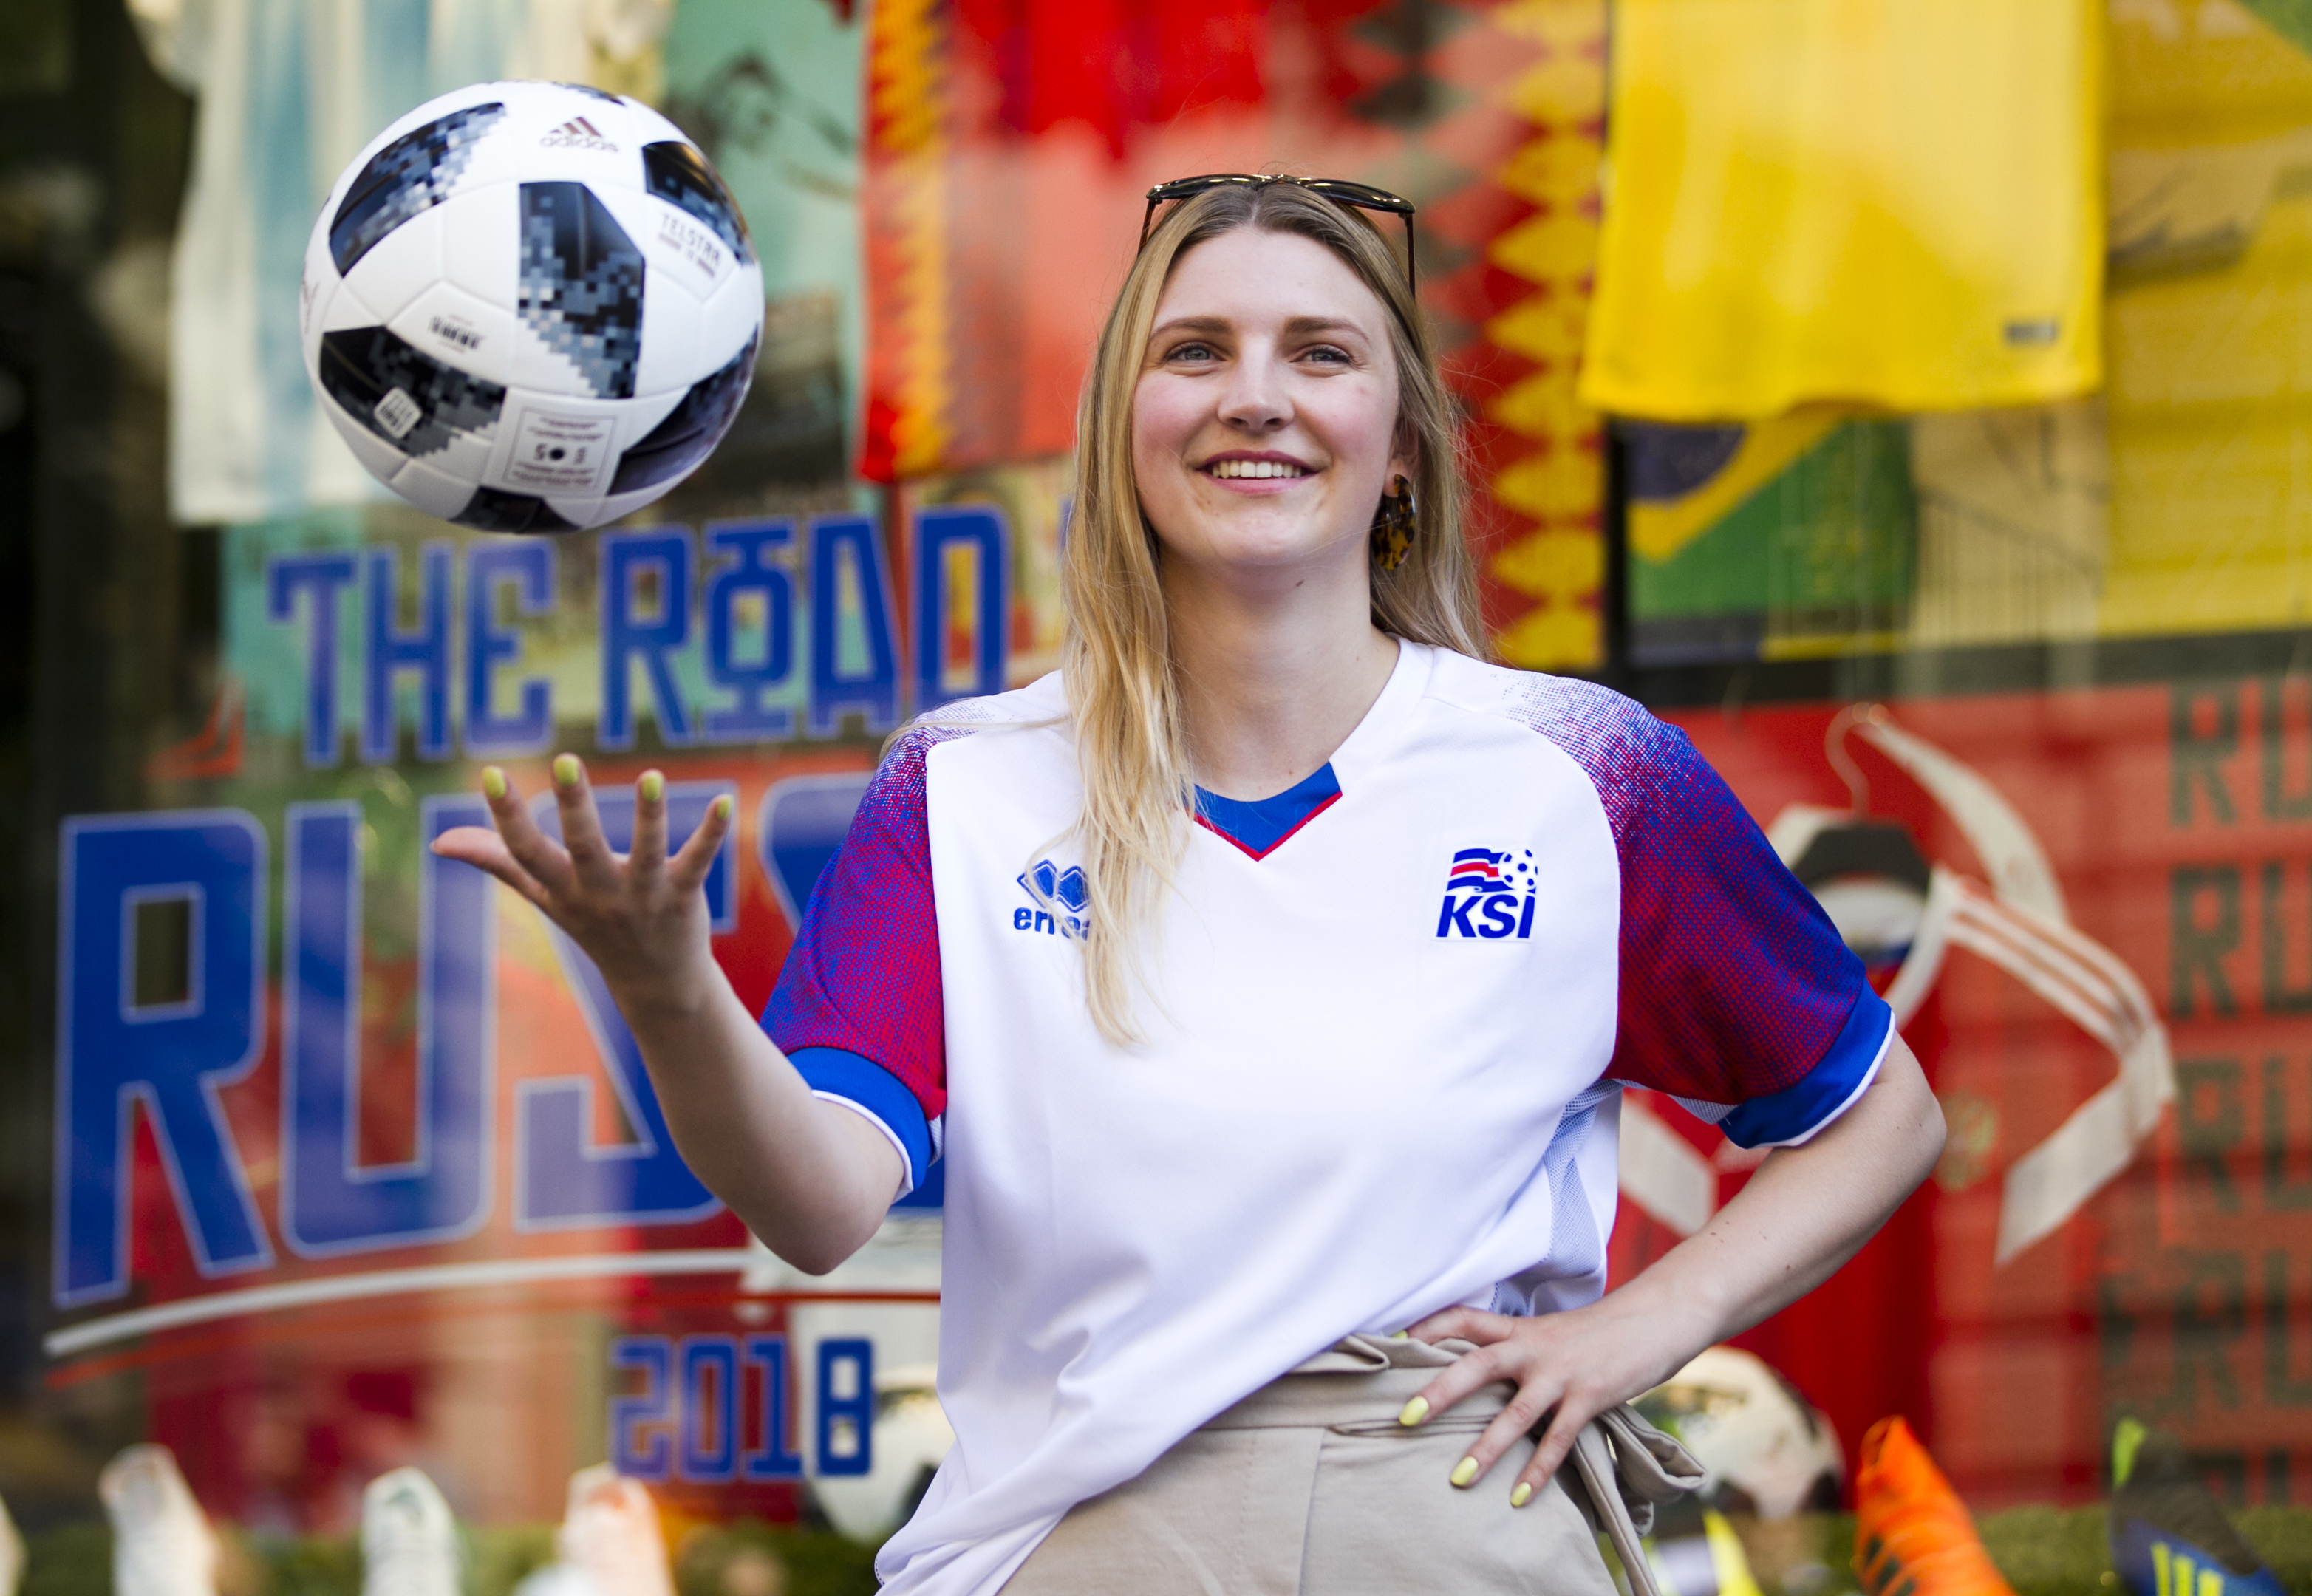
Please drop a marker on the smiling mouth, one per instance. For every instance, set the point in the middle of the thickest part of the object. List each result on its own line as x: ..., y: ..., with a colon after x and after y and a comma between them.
x: 1255, y: 467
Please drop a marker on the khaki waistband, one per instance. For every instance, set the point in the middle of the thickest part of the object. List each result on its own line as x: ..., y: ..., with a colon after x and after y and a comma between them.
x: 1360, y: 1384
x: 1363, y: 1383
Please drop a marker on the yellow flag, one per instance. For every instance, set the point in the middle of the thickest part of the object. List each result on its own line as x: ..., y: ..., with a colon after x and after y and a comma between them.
x: 1884, y: 202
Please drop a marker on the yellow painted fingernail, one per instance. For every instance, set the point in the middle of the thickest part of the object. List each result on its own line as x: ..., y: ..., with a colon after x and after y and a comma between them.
x: 722, y: 807
x: 1465, y: 1471
x: 1415, y: 1412
x: 492, y: 783
x: 565, y: 770
x: 1521, y: 1496
x: 1399, y: 1335
x: 652, y: 785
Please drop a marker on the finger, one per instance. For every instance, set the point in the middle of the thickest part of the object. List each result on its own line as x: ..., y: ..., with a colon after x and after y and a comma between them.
x: 1556, y: 1446
x: 1469, y: 1324
x: 1471, y: 1371
x: 547, y: 864
x: 486, y: 850
x: 689, y: 872
x: 581, y: 825
x: 648, y: 850
x: 1511, y: 1424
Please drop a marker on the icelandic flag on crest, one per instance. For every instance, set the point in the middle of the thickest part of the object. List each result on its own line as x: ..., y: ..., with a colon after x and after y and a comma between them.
x: 1477, y: 869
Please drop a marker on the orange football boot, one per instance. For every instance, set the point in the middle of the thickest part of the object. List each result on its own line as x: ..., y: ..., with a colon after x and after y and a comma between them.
x: 1913, y: 1536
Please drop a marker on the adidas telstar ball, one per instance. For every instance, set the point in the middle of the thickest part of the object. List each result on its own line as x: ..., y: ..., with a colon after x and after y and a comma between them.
x: 531, y: 307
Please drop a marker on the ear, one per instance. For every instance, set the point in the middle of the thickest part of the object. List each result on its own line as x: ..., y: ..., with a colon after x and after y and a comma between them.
x: 1404, y: 454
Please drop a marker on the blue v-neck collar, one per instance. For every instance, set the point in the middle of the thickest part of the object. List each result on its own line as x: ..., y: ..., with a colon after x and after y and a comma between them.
x: 1260, y: 826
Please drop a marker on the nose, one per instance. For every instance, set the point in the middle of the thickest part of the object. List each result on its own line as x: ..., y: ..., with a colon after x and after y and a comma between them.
x: 1256, y: 398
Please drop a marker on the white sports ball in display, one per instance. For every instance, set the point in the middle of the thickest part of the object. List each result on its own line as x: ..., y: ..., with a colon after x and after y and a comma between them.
x: 531, y: 307
x: 1763, y: 1447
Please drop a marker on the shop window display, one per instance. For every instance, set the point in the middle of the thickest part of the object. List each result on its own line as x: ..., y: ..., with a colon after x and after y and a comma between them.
x: 342, y: 1228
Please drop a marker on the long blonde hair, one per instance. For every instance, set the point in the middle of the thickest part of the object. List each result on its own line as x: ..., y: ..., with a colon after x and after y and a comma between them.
x: 1115, y: 658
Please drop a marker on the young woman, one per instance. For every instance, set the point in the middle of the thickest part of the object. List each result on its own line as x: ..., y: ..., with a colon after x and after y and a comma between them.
x: 1267, y: 980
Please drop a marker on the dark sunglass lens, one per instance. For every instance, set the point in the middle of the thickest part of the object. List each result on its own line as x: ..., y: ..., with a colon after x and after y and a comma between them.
x: 1361, y: 195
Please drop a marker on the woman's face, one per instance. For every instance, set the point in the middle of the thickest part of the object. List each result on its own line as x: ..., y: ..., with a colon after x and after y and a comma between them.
x: 1263, y: 427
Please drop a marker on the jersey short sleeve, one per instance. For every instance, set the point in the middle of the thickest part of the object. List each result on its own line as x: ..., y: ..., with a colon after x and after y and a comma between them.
x: 1737, y: 997
x: 858, y: 1008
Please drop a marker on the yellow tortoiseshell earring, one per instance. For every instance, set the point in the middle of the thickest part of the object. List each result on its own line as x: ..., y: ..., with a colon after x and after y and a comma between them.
x: 1393, y: 525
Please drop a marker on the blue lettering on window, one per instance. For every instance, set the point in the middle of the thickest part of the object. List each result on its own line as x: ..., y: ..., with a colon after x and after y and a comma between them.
x: 709, y: 1430
x: 331, y: 1203
x: 171, y: 1057
x: 194, y: 900
x: 563, y: 1179
x: 978, y: 528
x: 686, y: 1416
x: 844, y: 551
x: 323, y: 576
x: 750, y: 544
x: 528, y: 563
x: 774, y: 1459
x: 640, y: 1446
x: 847, y: 1406
x: 390, y: 650
x: 628, y: 635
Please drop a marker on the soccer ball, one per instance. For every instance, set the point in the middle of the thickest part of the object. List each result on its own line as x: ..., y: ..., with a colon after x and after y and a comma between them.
x: 531, y: 307
x: 1763, y: 1449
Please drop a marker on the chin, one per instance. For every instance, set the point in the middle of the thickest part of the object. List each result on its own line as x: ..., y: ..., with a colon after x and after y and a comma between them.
x: 1252, y: 555
x: 1255, y: 536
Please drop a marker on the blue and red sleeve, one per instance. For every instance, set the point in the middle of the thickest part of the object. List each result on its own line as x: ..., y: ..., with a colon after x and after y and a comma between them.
x: 1737, y: 997
x: 857, y: 1009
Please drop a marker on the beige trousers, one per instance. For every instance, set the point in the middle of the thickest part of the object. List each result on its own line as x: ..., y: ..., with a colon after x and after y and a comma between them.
x: 1310, y: 1487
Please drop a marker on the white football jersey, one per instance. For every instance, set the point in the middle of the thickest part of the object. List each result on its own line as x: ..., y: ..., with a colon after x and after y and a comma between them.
x: 1387, y: 1016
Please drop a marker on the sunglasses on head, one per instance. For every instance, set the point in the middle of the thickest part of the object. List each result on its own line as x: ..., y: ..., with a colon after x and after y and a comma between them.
x: 1363, y: 197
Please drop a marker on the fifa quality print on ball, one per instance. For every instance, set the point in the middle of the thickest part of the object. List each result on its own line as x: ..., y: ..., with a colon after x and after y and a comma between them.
x: 531, y: 307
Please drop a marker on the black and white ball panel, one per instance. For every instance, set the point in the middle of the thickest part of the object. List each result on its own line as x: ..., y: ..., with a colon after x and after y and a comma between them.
x: 531, y: 308
x: 582, y: 286
x: 413, y: 174
x: 491, y: 511
x: 676, y: 446
x: 678, y: 174
x: 416, y: 403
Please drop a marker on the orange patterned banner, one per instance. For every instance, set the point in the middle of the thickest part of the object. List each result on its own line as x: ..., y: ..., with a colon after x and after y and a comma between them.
x: 1011, y: 143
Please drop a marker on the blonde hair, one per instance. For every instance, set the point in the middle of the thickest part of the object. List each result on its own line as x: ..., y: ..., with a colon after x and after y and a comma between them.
x: 1116, y: 657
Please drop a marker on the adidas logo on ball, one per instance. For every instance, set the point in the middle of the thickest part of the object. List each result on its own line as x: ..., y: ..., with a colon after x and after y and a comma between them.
x: 578, y: 134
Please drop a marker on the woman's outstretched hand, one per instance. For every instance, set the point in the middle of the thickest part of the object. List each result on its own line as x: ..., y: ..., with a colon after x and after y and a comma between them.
x: 813, y: 1178
x: 641, y: 918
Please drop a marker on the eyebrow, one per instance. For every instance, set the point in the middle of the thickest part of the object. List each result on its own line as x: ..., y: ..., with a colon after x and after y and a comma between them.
x: 1295, y: 326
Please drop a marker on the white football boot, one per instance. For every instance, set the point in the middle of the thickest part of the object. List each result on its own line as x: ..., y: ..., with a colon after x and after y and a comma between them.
x: 161, y: 1542
x: 410, y: 1540
x: 610, y: 1534
x: 555, y: 1579
x: 11, y: 1554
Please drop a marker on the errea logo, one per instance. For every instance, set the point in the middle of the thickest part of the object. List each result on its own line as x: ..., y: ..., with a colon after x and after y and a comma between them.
x: 578, y: 134
x: 1489, y: 895
x: 1059, y: 896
